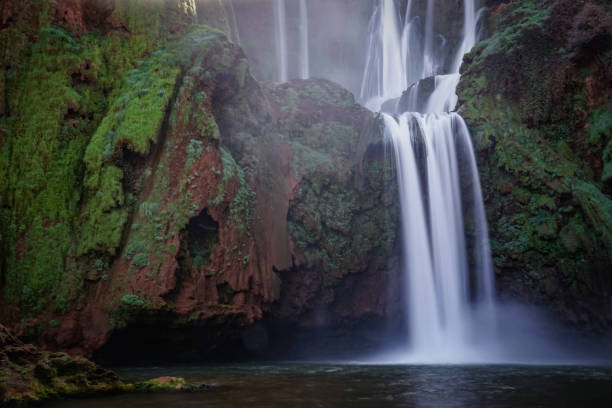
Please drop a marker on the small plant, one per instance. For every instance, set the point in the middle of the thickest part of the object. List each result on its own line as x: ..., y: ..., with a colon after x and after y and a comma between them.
x: 131, y: 305
x: 141, y: 260
x: 198, y: 261
x: 54, y: 324
x: 130, y: 200
x: 148, y: 209
x: 194, y: 151
x: 133, y: 247
x: 132, y: 301
x: 100, y: 265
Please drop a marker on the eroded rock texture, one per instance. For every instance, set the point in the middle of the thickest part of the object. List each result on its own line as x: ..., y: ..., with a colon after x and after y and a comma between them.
x: 183, y: 200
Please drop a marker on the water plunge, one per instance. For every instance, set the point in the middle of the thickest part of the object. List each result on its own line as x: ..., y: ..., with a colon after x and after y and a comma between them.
x: 445, y: 301
x: 410, y: 73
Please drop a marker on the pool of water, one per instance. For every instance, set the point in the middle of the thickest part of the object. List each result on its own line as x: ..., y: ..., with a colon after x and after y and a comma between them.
x: 340, y: 385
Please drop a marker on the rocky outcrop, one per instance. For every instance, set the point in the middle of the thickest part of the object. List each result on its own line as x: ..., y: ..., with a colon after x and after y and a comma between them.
x: 190, y: 199
x: 28, y: 374
x: 537, y: 97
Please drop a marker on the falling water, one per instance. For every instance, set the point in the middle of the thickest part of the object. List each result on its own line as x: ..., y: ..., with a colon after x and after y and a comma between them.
x: 385, y: 73
x: 444, y: 299
x: 234, y: 33
x: 439, y: 303
x: 281, y: 39
x: 304, y: 60
x: 428, y: 51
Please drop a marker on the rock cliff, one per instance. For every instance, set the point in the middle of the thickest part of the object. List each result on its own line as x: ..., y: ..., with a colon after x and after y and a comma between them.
x: 155, y: 186
x: 537, y: 97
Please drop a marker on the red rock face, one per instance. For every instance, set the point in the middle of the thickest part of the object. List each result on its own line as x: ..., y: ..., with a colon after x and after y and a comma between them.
x: 224, y: 227
x: 234, y: 166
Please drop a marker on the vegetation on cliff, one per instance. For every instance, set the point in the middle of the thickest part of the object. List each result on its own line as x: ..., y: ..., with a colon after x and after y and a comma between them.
x: 151, y: 179
x: 59, y: 82
x: 536, y: 96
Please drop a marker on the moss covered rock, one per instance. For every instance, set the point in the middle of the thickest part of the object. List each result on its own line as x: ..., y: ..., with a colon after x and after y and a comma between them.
x: 28, y: 374
x: 536, y: 96
x: 165, y: 384
x: 153, y: 182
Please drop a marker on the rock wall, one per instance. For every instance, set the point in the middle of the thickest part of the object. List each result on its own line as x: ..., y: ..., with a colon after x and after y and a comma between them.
x: 30, y: 375
x: 158, y: 187
x: 154, y: 188
x: 537, y: 97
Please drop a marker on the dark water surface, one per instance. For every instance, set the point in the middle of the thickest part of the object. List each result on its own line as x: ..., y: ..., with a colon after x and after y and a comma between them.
x: 331, y: 385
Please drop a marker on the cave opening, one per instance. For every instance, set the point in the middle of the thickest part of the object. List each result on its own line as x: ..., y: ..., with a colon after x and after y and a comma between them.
x: 202, y: 236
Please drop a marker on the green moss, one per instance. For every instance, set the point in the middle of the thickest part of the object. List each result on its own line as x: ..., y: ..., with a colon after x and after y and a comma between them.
x: 148, y: 209
x: 134, y: 123
x: 130, y: 307
x: 132, y: 301
x: 104, y: 217
x: 141, y: 260
x: 600, y: 125
x: 334, y: 232
x: 598, y: 209
x: 539, y: 131
x: 164, y: 384
x: 58, y: 89
x: 134, y: 247
x: 100, y: 265
x: 194, y: 151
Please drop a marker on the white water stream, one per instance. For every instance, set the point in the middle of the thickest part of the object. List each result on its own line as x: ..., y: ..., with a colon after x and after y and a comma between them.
x: 444, y: 298
x: 281, y: 34
x: 304, y: 54
x: 281, y: 39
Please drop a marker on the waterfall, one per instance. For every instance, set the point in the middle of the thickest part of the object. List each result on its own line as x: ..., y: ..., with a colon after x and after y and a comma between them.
x: 444, y: 296
x: 235, y: 34
x: 281, y: 39
x: 428, y: 51
x: 385, y: 73
x: 304, y: 60
x: 440, y: 310
x: 301, y: 67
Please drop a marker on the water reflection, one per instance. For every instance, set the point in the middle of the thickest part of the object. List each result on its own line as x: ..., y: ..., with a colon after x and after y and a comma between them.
x: 326, y: 385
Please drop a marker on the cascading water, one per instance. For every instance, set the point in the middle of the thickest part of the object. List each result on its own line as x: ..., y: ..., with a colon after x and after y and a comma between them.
x: 281, y: 39
x: 304, y: 55
x: 385, y: 73
x: 300, y: 65
x: 444, y: 299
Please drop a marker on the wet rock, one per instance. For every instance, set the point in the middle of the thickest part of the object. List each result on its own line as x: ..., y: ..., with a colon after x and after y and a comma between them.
x: 204, y: 199
x: 28, y: 374
x: 415, y: 97
x: 166, y: 384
